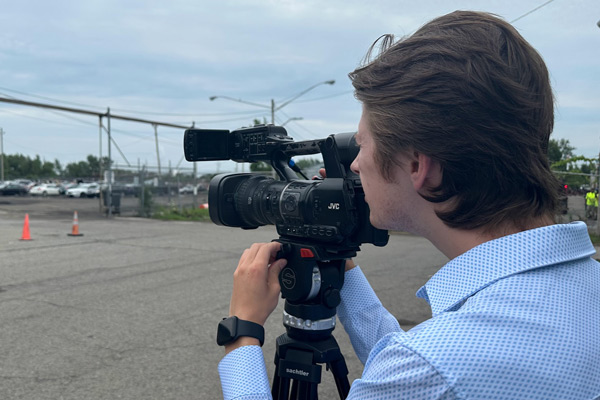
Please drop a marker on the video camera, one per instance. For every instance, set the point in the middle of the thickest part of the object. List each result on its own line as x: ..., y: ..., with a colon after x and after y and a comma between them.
x: 330, y: 211
x: 317, y: 220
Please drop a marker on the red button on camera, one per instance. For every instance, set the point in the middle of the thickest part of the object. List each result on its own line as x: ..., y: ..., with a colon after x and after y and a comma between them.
x: 306, y: 253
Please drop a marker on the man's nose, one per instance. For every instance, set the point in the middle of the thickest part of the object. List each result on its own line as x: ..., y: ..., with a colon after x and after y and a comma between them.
x: 354, y: 166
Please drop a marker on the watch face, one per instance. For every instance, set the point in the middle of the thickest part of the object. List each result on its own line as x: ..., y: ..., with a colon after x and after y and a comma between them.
x: 232, y: 328
x: 226, y: 331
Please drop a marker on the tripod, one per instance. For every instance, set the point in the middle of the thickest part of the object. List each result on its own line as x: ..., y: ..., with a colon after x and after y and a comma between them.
x: 311, y: 288
x: 297, y: 361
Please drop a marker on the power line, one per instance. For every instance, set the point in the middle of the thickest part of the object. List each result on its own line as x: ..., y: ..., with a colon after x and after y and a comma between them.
x: 45, y: 98
x: 326, y: 97
x: 128, y: 110
x: 88, y: 112
x: 184, y: 115
x: 529, y: 12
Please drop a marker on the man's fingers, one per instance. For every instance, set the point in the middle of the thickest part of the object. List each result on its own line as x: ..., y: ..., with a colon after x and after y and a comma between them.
x: 250, y: 254
x: 273, y: 277
x: 268, y: 251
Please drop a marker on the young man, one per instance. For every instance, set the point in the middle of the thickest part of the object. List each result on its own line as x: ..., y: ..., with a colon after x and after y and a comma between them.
x: 453, y: 141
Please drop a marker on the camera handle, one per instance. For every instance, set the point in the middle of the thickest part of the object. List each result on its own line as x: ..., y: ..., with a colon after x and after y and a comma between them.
x: 311, y: 284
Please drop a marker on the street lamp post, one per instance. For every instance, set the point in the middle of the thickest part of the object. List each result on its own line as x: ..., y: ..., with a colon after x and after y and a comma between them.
x: 598, y: 181
x: 272, y: 106
x: 292, y: 119
x: 1, y: 155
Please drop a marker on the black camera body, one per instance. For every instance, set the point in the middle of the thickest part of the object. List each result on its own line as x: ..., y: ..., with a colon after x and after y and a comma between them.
x: 330, y: 213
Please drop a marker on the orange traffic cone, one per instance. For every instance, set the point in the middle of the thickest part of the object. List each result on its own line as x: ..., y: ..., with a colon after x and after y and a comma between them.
x: 26, y: 235
x: 75, y: 230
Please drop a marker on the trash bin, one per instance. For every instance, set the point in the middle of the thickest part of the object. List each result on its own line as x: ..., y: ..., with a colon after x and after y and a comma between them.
x: 115, y: 201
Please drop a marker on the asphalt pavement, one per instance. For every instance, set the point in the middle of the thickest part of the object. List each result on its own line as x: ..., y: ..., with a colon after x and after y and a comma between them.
x: 129, y: 310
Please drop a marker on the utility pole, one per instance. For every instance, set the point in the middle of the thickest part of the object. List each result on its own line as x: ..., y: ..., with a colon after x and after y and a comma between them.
x: 597, y: 184
x: 109, y: 168
x: 157, y: 153
x: 1, y: 155
x: 273, y: 111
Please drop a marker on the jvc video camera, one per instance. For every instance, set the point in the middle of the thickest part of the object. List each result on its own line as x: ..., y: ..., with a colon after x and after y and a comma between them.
x: 330, y: 213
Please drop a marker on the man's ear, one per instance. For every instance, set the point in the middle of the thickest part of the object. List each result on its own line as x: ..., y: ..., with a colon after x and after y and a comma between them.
x: 425, y: 173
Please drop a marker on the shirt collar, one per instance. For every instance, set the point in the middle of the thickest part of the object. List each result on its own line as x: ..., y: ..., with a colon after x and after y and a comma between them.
x: 481, y: 266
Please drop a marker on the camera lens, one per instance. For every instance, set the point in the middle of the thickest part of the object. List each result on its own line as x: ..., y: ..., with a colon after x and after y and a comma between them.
x: 261, y: 200
x: 252, y: 200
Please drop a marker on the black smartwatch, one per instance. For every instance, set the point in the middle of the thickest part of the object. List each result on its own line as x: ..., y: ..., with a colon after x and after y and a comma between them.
x: 232, y: 328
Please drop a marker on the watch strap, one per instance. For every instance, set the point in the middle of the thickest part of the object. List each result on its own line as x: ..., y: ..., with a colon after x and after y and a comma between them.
x: 232, y: 328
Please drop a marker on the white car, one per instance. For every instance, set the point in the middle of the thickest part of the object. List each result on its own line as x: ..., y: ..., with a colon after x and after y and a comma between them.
x: 45, y: 189
x: 84, y: 190
x: 187, y: 189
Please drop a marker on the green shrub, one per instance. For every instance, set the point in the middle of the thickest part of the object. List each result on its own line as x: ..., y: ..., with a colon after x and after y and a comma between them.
x: 171, y: 213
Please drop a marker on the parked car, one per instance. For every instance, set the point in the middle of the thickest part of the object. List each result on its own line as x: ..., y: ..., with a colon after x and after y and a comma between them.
x: 187, y: 189
x: 84, y: 190
x: 93, y: 190
x: 28, y: 184
x: 13, y: 189
x: 45, y: 189
x: 66, y: 186
x: 131, y: 189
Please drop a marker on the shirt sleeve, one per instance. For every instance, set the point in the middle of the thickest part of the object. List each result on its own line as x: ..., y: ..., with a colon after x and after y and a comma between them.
x: 363, y: 316
x: 395, y: 371
x: 244, y: 375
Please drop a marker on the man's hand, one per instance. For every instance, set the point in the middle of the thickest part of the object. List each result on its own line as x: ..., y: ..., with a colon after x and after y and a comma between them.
x: 255, y: 287
x: 256, y: 284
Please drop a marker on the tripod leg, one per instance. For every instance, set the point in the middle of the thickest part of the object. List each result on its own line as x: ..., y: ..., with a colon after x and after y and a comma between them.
x: 275, y: 387
x: 284, y: 389
x: 313, y: 392
x: 343, y: 387
x: 294, y: 394
x: 340, y: 375
x: 280, y: 390
x: 307, y: 391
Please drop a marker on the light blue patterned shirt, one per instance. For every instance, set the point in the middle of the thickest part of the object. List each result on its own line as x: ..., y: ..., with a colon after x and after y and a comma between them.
x: 513, y: 318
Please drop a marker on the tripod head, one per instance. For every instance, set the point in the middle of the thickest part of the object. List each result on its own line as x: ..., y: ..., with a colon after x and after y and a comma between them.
x: 310, y: 284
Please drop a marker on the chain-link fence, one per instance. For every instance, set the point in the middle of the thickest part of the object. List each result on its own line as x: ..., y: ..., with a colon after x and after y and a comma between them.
x: 142, y: 193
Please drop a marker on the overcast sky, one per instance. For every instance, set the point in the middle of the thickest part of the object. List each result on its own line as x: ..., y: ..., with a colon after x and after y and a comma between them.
x: 162, y: 61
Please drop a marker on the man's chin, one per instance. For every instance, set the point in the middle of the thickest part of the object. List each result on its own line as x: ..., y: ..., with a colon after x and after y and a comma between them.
x: 376, y: 223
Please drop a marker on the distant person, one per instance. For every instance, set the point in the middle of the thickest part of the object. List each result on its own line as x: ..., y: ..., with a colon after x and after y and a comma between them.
x: 591, y: 204
x: 453, y: 147
x: 595, y: 216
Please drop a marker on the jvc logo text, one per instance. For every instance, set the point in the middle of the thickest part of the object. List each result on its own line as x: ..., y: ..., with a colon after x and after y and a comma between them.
x: 334, y: 206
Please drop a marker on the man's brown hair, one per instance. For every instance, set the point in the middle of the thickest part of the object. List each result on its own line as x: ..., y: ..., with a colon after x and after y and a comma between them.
x: 467, y: 90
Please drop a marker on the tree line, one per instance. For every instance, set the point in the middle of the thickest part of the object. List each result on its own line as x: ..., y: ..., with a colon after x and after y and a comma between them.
x: 560, y: 154
x: 577, y: 169
x: 19, y: 166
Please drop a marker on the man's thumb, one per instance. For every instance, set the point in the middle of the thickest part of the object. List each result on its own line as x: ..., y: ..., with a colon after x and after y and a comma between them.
x: 275, y: 269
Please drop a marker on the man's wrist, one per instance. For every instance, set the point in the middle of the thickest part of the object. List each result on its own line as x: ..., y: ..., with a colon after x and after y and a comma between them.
x: 240, y: 342
x: 349, y: 264
x: 231, y: 329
